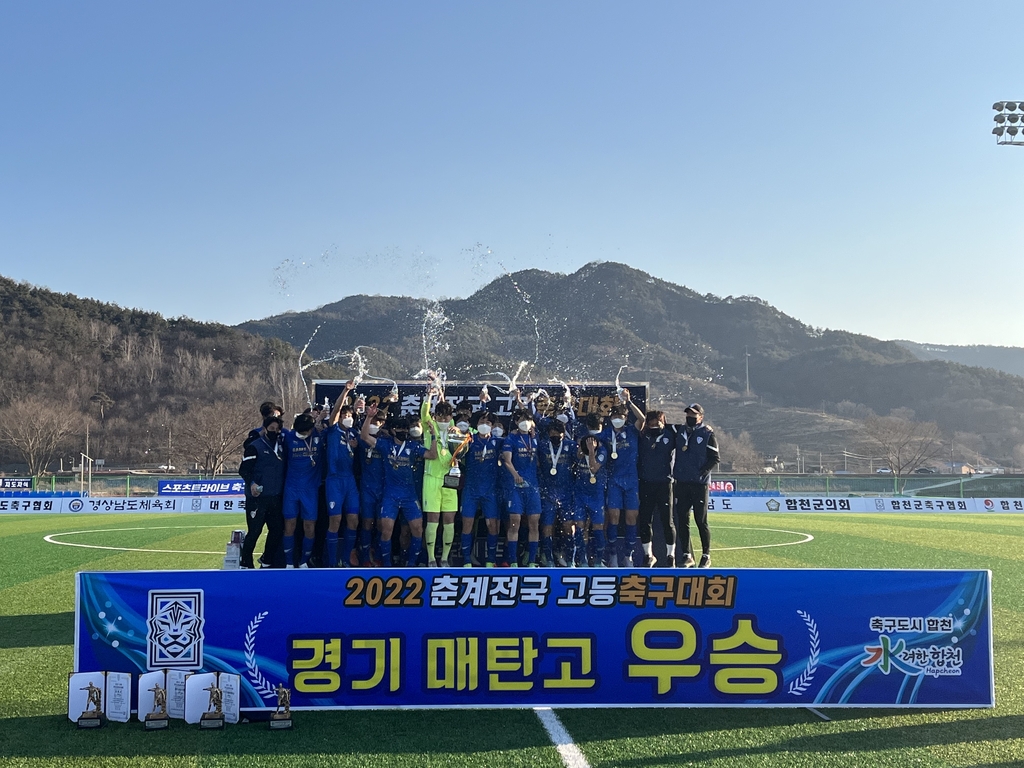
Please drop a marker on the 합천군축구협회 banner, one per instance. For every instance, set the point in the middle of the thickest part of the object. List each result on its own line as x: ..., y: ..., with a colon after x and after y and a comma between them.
x: 536, y: 637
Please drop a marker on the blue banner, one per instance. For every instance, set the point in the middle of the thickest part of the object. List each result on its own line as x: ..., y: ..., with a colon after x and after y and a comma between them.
x: 200, y: 487
x: 15, y: 483
x: 566, y: 638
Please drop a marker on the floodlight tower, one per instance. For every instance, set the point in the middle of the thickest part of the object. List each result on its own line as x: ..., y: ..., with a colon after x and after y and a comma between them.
x: 1009, y: 122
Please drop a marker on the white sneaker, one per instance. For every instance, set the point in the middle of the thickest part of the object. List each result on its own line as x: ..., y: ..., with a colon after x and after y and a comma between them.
x: 289, y: 566
x: 560, y: 561
x: 304, y: 565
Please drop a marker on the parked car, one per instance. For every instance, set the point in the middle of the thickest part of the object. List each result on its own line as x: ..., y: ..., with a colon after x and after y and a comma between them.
x: 925, y: 471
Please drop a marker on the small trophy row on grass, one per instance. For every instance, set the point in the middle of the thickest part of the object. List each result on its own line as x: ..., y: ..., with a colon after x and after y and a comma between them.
x: 209, y: 699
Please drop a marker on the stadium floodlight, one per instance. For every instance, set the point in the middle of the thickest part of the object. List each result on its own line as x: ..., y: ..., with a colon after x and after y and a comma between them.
x: 1008, y: 115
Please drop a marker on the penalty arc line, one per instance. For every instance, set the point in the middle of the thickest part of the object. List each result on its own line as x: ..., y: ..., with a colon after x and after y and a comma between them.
x: 51, y: 540
x: 571, y: 754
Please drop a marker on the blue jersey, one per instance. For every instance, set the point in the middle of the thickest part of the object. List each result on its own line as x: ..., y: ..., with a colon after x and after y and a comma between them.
x: 585, y: 488
x: 623, y: 451
x: 340, y: 454
x: 400, y: 462
x: 482, y: 462
x: 371, y: 466
x: 524, y: 455
x: 303, y: 462
x: 561, y: 458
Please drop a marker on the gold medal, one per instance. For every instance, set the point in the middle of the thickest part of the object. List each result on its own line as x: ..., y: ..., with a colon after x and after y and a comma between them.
x: 593, y: 480
x: 553, y: 471
x: 615, y: 454
x: 686, y: 447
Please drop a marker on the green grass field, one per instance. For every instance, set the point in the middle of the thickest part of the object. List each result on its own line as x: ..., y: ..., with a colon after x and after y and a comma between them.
x: 36, y: 629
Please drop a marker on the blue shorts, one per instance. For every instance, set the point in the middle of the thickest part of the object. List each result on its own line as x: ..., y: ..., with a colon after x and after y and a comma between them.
x: 295, y: 505
x: 370, y: 500
x: 408, y: 505
x: 524, y: 501
x: 623, y: 494
x: 342, y: 495
x: 588, y: 508
x: 554, y: 507
x: 474, y: 500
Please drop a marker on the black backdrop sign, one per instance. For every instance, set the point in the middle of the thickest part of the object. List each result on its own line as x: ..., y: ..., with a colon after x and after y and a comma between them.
x: 586, y: 398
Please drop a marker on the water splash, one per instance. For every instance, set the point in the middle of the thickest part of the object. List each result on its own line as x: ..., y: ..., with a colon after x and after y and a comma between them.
x: 363, y: 371
x: 435, y: 325
x: 618, y: 387
x: 529, y: 311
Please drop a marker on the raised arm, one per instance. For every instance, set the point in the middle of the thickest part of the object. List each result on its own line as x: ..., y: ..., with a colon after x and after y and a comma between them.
x: 641, y: 417
x: 336, y: 410
x: 364, y: 432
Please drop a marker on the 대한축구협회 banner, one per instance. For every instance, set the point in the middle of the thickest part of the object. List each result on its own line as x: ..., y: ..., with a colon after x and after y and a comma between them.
x: 567, y: 638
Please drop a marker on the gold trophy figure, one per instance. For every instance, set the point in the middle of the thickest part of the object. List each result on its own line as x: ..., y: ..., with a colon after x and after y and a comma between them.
x: 158, y: 717
x: 282, y: 717
x: 92, y: 718
x: 214, y: 716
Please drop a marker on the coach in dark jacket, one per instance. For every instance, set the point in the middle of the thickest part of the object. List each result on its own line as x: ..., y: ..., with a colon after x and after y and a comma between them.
x: 262, y: 469
x: 696, y: 455
x: 657, y: 445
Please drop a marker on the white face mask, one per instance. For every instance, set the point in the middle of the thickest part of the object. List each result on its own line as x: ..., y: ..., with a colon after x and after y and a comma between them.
x: 443, y: 425
x: 303, y: 435
x: 563, y: 417
x: 416, y: 432
x: 618, y: 423
x: 347, y: 422
x: 498, y: 431
x: 484, y: 429
x: 463, y: 426
x: 524, y: 426
x: 374, y: 429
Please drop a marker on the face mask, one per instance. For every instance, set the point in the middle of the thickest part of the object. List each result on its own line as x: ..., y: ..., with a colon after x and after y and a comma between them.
x: 691, y: 421
x: 374, y: 429
x: 463, y: 426
x: 484, y: 429
x: 618, y: 423
x: 497, y: 432
x: 555, y: 439
x: 524, y: 426
x: 303, y: 435
x: 416, y: 432
x: 594, y: 432
x: 401, y: 436
x: 272, y: 436
x: 656, y: 427
x: 347, y: 422
x: 563, y: 417
x: 442, y: 426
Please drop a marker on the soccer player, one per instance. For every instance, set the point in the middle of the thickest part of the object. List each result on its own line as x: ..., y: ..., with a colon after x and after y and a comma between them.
x: 437, y: 499
x: 400, y: 490
x: 342, y: 440
x: 480, y: 492
x: 371, y: 485
x: 519, y: 456
x: 696, y: 455
x: 556, y: 457
x: 590, y: 490
x: 303, y: 456
x: 622, y: 440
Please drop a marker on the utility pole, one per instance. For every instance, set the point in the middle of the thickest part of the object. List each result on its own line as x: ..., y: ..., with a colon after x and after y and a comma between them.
x: 746, y: 358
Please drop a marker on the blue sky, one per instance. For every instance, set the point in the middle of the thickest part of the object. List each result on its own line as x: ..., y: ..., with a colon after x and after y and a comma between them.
x: 230, y: 161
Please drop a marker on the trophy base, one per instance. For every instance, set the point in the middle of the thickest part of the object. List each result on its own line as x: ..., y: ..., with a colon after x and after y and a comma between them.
x: 213, y: 722
x: 278, y: 723
x: 90, y: 720
x: 156, y: 723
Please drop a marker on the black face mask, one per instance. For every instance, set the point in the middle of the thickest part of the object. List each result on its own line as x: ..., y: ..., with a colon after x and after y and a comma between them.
x: 401, y: 436
x: 555, y: 439
x: 691, y: 421
x: 272, y: 436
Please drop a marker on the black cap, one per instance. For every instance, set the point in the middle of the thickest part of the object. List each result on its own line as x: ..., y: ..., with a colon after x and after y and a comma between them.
x: 695, y: 408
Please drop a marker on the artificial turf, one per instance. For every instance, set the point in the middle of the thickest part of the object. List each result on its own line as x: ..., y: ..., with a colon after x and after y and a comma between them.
x: 36, y: 629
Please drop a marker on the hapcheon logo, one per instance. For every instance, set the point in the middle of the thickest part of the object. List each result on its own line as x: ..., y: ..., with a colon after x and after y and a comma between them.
x: 175, y: 624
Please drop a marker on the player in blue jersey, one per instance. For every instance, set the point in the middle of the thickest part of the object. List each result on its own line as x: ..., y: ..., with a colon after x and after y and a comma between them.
x: 519, y: 456
x: 623, y: 443
x: 401, y: 492
x: 342, y: 439
x: 371, y: 485
x: 303, y: 457
x: 480, y: 489
x: 589, y: 492
x: 556, y: 456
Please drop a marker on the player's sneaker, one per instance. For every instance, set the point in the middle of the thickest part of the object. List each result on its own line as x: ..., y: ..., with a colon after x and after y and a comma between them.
x: 670, y: 561
x: 533, y: 565
x: 705, y: 561
x: 490, y: 565
x: 560, y: 561
x: 304, y: 565
x: 687, y: 561
x: 431, y: 563
x: 650, y: 561
x: 446, y: 564
x: 613, y: 561
x: 289, y: 566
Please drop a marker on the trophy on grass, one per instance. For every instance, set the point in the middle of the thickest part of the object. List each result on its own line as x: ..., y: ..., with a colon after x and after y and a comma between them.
x: 214, y: 716
x: 281, y: 719
x: 92, y: 717
x: 158, y: 717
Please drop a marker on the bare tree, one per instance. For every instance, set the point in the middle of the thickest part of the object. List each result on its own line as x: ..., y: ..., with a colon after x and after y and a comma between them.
x: 210, y: 435
x: 904, y: 444
x: 741, y: 452
x: 36, y: 431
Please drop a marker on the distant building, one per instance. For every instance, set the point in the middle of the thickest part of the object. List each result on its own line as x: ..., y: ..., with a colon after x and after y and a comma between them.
x: 959, y: 468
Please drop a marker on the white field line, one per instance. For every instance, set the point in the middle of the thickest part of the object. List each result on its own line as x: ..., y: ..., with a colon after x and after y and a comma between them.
x: 50, y: 539
x: 807, y: 537
x: 571, y: 755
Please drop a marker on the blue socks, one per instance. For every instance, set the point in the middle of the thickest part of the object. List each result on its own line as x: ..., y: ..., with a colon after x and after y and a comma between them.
x: 385, y: 553
x: 512, y: 553
x: 288, y: 543
x: 349, y: 545
x: 307, y: 549
x: 549, y: 555
x: 415, y: 547
x: 492, y: 547
x: 364, y: 546
x: 467, y: 548
x: 581, y: 546
x: 531, y: 558
x: 332, y: 549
